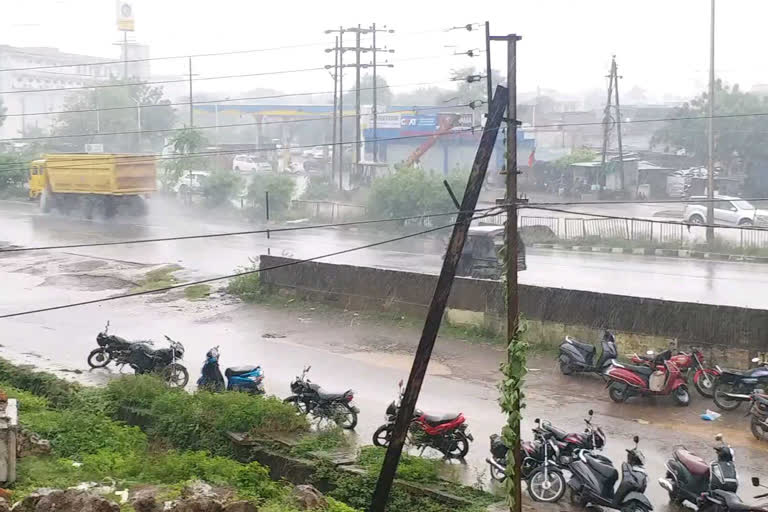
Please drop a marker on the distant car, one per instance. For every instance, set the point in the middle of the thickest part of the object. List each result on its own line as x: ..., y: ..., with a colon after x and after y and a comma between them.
x: 244, y: 163
x: 191, y: 183
x: 317, y: 152
x: 727, y: 210
x: 262, y: 166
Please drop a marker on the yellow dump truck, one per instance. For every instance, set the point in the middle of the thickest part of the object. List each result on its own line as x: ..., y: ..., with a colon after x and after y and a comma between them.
x: 107, y: 183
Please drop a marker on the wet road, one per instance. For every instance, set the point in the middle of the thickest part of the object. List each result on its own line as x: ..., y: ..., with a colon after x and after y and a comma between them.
x: 729, y: 283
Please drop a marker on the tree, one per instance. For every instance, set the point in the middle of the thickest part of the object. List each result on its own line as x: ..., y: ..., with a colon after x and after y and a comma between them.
x: 130, y: 108
x: 280, y: 188
x: 383, y: 93
x: 741, y: 142
x: 184, y: 145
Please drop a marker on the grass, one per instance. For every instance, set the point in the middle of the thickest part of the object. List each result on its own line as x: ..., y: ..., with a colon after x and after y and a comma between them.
x: 325, y: 440
x: 197, y: 291
x: 158, y: 278
x: 720, y: 246
x: 412, y: 469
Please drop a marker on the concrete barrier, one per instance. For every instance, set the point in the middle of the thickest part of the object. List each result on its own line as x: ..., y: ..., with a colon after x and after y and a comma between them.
x: 733, y: 334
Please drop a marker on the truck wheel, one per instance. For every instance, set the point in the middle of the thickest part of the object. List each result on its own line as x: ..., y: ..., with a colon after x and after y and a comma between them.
x: 696, y: 219
x: 110, y: 207
x: 47, y: 201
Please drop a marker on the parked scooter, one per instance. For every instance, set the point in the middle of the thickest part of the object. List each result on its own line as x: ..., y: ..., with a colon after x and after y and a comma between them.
x: 446, y: 433
x: 724, y: 501
x: 759, y: 412
x: 310, y: 398
x: 704, y: 378
x: 733, y: 387
x: 594, y: 478
x: 248, y: 379
x: 689, y: 476
x: 661, y: 377
x: 577, y: 356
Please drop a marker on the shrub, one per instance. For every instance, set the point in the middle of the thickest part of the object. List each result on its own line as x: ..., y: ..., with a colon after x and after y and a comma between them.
x: 221, y: 186
x: 324, y: 440
x: 280, y: 187
x: 248, y: 286
x: 28, y: 402
x: 412, y: 469
x: 59, y: 392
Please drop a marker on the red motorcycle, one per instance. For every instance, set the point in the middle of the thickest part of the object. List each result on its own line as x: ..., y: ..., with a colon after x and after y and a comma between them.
x: 704, y: 378
x: 660, y: 377
x: 446, y: 433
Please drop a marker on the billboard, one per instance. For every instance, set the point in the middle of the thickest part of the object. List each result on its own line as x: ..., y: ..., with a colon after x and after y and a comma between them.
x: 125, y: 21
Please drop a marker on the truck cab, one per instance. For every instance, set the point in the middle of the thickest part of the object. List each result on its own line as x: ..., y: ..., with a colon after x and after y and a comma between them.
x: 36, y: 178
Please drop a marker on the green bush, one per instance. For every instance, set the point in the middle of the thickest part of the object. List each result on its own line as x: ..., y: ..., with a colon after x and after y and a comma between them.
x: 13, y: 172
x: 74, y: 434
x: 324, y: 440
x: 411, y: 469
x: 221, y: 186
x: 27, y: 402
x: 321, y: 188
x: 280, y: 188
x: 59, y: 392
x: 134, y: 391
x: 248, y: 286
x: 410, y: 191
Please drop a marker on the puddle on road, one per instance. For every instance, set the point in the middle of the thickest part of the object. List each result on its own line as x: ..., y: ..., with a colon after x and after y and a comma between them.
x: 398, y: 361
x: 86, y: 282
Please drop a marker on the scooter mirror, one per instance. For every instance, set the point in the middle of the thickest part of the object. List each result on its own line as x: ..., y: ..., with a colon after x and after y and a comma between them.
x: 636, y: 439
x: 591, y: 412
x: 400, y: 384
x: 755, y: 359
x: 650, y: 352
x: 719, y: 437
x: 537, y: 421
x: 755, y: 481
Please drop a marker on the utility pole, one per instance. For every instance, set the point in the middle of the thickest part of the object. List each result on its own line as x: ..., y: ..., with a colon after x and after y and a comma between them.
x: 357, y: 102
x: 615, y: 73
x: 375, y: 99
x: 334, y: 151
x: 488, y: 73
x: 711, y: 134
x: 339, y: 65
x: 439, y: 302
x: 191, y: 114
x: 125, y: 55
x: 606, y: 124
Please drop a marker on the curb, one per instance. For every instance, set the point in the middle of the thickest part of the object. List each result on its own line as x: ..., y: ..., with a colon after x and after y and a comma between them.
x: 648, y: 251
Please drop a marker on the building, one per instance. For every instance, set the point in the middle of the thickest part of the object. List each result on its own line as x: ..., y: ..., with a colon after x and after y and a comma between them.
x: 27, y: 69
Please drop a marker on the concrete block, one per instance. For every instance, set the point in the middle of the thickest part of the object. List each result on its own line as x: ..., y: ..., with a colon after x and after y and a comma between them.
x: 617, y: 250
x: 640, y: 251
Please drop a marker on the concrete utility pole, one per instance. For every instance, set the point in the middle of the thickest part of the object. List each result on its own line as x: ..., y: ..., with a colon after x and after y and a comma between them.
x: 191, y: 114
x: 711, y: 134
x: 510, y: 232
x: 615, y: 73
x: 334, y: 152
x: 488, y: 71
x: 606, y: 124
x: 374, y: 109
x: 439, y: 302
x: 357, y: 101
x: 125, y: 55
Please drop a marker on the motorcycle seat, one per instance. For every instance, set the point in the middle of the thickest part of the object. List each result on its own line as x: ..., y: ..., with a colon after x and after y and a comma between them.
x: 437, y: 419
x: 239, y: 370
x: 732, y: 501
x: 331, y: 395
x: 559, y: 434
x: 695, y: 464
x: 585, y: 347
x: 641, y: 369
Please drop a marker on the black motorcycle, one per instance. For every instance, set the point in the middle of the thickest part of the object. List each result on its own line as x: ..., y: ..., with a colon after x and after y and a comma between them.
x: 725, y: 501
x: 689, y: 476
x: 733, y: 387
x: 146, y: 360
x: 112, y: 348
x: 594, y: 478
x: 577, y: 356
x: 759, y: 412
x: 310, y: 398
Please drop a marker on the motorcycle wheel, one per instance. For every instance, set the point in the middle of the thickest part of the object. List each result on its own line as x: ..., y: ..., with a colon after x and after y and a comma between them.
x: 546, y: 490
x: 758, y: 428
x: 382, y: 436
x: 674, y: 497
x: 618, y: 392
x: 722, y: 401
x: 497, y: 474
x: 682, y: 396
x: 458, y: 447
x: 346, y: 417
x: 300, y: 405
x: 99, y: 358
x: 175, y: 375
x: 635, y: 507
x: 705, y: 383
x: 565, y: 367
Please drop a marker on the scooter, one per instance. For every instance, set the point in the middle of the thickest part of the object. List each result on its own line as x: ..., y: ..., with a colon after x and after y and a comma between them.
x: 724, y: 501
x: 759, y: 412
x: 248, y: 379
x: 576, y: 356
x: 704, y: 377
x: 661, y: 377
x: 594, y: 478
x: 689, y: 476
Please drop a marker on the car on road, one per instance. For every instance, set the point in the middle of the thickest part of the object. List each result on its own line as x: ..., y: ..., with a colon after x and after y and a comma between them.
x: 728, y: 210
x: 248, y: 163
x: 191, y: 183
x: 317, y: 152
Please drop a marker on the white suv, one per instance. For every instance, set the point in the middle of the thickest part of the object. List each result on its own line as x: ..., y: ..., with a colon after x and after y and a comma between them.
x: 244, y: 163
x: 728, y: 210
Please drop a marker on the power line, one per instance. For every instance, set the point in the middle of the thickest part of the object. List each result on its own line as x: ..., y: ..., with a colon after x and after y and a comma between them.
x: 221, y: 278
x: 154, y: 82
x: 236, y: 233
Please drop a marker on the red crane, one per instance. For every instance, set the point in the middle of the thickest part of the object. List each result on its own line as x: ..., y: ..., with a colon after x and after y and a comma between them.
x: 445, y: 125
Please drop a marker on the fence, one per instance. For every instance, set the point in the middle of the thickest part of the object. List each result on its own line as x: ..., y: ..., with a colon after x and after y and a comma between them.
x: 633, y: 230
x: 330, y: 210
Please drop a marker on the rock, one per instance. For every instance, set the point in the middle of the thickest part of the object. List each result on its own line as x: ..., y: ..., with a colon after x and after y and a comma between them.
x: 197, y: 489
x: 66, y: 501
x: 197, y: 505
x: 4, y: 505
x: 145, y: 500
x: 309, y: 498
x: 29, y: 503
x: 29, y: 443
x: 240, y: 506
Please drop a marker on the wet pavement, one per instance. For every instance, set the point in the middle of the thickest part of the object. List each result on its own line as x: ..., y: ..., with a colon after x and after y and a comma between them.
x: 728, y: 283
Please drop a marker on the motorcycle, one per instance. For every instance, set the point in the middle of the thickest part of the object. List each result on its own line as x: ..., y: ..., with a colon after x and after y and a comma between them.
x: 111, y: 348
x: 689, y: 477
x: 594, y: 478
x: 145, y: 360
x: 310, y: 398
x: 577, y: 356
x: 704, y: 378
x: 724, y: 501
x: 532, y: 452
x: 759, y: 412
x: 660, y: 377
x: 248, y: 379
x: 445, y: 433
x: 733, y: 386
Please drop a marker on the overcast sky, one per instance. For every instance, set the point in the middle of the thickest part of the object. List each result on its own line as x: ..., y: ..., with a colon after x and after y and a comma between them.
x: 661, y: 45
